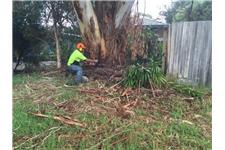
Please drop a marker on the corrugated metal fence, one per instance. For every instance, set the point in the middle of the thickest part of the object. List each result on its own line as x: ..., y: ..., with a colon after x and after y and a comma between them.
x: 189, y: 52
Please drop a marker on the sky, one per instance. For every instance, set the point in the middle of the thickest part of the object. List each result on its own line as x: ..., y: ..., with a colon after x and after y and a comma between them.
x: 153, y: 7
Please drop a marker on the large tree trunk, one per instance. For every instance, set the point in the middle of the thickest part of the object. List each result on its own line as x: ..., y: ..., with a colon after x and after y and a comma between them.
x: 103, y: 27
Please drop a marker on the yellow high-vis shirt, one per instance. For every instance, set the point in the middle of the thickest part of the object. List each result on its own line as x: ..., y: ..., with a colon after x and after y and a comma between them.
x: 76, y: 56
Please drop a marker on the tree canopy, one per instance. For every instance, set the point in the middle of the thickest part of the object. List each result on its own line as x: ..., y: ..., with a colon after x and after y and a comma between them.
x: 188, y: 11
x: 33, y: 30
x: 27, y: 29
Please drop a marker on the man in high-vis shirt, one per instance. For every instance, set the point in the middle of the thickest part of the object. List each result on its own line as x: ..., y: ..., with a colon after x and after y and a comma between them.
x: 74, y: 63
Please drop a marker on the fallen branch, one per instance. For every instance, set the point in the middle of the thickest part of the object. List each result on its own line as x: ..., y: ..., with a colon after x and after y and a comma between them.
x: 68, y: 121
x: 34, y: 137
x: 30, y: 139
x: 58, y: 105
x: 132, y: 104
x: 188, y: 122
x: 125, y: 93
x: 153, y: 93
x: 50, y: 134
x: 28, y: 89
x: 63, y: 119
x: 32, y: 146
x: 188, y: 99
x: 115, y: 84
x: 118, y: 141
x: 40, y: 115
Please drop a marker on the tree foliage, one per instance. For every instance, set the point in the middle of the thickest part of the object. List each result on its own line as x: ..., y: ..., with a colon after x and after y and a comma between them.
x: 33, y: 33
x: 27, y: 30
x: 188, y: 11
x: 59, y: 14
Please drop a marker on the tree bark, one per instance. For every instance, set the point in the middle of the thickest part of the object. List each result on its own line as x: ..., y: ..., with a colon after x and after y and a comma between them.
x: 58, y: 48
x: 103, y: 27
x: 56, y: 14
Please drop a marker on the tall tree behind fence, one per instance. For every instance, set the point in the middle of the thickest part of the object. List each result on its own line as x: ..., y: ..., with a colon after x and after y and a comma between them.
x: 189, y: 52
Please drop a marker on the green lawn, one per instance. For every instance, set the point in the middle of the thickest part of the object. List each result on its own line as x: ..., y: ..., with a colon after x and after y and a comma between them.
x: 112, y: 118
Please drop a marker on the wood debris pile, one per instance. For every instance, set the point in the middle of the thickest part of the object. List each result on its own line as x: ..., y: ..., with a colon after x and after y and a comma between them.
x: 120, y: 101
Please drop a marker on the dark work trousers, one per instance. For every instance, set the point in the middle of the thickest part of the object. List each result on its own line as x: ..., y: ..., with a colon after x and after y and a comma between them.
x: 78, y: 71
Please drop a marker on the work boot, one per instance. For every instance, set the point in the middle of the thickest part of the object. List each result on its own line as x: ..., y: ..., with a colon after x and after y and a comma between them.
x: 85, y: 79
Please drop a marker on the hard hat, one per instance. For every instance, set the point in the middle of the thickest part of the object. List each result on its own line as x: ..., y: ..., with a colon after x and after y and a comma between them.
x: 80, y: 45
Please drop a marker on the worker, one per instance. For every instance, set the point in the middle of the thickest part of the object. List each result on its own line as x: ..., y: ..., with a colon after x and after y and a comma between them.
x: 74, y: 63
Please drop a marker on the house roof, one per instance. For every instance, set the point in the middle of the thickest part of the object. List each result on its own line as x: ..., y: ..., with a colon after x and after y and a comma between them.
x: 153, y: 23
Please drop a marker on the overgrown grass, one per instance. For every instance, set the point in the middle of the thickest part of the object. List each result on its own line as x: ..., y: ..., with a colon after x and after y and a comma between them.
x: 158, y: 124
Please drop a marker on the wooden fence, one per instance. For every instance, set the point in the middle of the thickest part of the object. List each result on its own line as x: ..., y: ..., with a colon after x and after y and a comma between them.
x: 189, y: 52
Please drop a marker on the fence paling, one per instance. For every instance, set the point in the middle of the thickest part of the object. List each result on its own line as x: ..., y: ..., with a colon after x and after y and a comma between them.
x: 189, y: 51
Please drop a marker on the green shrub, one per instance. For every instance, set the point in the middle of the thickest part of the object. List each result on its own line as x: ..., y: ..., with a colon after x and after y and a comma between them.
x: 140, y: 75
